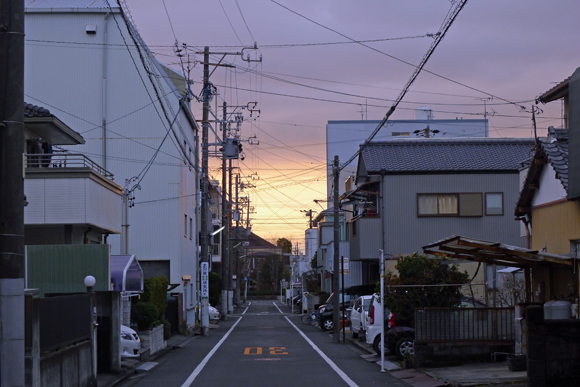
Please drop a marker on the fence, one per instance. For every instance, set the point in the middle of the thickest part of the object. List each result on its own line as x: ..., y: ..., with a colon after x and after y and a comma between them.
x: 64, y: 320
x: 464, y: 325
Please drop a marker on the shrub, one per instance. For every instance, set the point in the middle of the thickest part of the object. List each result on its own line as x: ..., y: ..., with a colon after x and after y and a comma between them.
x: 155, y: 291
x: 215, y: 286
x: 144, y: 314
x: 166, y: 330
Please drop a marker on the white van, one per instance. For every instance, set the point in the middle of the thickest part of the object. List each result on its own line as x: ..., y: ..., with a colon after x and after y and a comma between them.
x: 373, y: 323
x: 358, y: 315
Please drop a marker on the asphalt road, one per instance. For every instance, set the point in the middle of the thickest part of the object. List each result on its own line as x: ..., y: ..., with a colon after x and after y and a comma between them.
x: 264, y: 345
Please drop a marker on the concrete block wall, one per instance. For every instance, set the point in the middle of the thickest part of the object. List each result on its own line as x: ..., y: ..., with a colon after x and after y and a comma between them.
x: 152, y: 340
x: 553, y: 348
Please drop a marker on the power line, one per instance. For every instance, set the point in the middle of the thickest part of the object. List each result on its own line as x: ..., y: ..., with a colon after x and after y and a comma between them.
x: 244, y: 19
x: 398, y: 59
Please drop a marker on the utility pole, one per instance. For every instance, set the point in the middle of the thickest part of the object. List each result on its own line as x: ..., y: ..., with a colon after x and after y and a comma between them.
x: 204, y: 238
x: 336, y: 245
x: 228, y: 235
x: 204, y: 197
x: 11, y: 193
x: 223, y: 236
x: 238, y: 271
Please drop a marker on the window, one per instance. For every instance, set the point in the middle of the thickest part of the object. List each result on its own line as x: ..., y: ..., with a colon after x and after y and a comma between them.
x: 190, y: 228
x: 449, y: 204
x: 494, y: 203
x: 185, y: 226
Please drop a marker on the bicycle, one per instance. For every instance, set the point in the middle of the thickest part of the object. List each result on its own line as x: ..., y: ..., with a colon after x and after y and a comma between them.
x: 308, y: 318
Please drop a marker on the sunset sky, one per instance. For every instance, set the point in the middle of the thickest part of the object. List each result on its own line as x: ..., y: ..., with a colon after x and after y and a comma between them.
x: 502, y: 52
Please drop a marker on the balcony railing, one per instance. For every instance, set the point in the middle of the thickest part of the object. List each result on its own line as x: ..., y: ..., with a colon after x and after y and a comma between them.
x: 65, y: 160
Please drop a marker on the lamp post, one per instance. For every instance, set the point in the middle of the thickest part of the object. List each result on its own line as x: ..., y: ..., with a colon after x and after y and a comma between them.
x: 90, y: 282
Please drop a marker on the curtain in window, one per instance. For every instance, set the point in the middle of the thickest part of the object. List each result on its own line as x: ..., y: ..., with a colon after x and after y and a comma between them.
x: 427, y: 205
x: 447, y: 204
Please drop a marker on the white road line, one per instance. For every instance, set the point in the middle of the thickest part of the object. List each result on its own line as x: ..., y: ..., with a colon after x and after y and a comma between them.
x: 247, y: 307
x: 277, y: 307
x: 326, y: 358
x: 198, y: 369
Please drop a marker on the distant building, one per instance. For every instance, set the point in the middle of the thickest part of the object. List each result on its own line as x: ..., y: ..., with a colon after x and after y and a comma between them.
x: 343, y: 138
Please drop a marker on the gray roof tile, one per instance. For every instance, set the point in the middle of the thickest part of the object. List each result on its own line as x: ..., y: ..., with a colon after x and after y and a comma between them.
x: 555, y: 147
x: 31, y: 111
x: 447, y: 155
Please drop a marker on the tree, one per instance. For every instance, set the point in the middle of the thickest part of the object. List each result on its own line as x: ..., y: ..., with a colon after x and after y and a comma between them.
x: 285, y: 244
x: 416, y: 270
x: 272, y: 270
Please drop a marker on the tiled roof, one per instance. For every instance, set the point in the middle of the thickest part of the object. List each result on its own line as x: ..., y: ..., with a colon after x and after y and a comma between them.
x: 31, y: 111
x: 69, y: 4
x: 555, y: 148
x: 423, y: 155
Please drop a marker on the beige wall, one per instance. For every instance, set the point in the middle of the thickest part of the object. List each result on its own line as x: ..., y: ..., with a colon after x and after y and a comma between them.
x: 555, y: 226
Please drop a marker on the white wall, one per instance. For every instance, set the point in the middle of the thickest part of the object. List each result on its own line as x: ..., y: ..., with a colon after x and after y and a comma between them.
x: 94, y: 78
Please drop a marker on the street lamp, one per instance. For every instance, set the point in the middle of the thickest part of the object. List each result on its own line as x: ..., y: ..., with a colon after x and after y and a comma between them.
x: 90, y: 282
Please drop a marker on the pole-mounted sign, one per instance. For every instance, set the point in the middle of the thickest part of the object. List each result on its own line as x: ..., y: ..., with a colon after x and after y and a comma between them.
x: 205, y: 281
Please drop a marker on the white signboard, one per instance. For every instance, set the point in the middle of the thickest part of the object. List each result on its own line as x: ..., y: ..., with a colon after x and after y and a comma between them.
x: 204, y: 281
x: 344, y: 265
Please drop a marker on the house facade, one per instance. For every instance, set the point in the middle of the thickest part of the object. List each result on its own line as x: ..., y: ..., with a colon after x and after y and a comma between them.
x: 411, y: 193
x: 87, y: 62
x: 344, y: 136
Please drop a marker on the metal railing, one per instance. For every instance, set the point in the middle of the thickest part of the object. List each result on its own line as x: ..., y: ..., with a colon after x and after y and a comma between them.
x: 64, y: 160
x: 453, y: 325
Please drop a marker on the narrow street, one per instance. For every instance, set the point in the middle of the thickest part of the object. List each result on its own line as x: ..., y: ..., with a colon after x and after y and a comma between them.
x: 263, y: 345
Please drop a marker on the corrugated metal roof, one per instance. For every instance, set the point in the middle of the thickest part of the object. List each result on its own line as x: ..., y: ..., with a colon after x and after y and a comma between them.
x: 67, y: 4
x: 488, y: 154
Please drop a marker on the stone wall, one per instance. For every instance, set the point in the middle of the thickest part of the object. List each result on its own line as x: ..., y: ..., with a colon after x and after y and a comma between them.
x: 553, y: 350
x: 152, y: 340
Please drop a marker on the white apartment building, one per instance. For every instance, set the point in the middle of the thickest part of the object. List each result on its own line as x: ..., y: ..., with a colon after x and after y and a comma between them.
x: 88, y: 64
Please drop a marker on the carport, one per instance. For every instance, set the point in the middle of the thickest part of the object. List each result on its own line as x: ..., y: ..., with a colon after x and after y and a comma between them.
x: 546, y: 275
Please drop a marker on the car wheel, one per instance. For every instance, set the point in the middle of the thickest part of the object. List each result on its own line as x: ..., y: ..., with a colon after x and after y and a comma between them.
x: 404, y: 347
x: 327, y: 324
x: 377, y: 347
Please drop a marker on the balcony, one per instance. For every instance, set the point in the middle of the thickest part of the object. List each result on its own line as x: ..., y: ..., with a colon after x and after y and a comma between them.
x: 64, y: 160
x: 72, y: 198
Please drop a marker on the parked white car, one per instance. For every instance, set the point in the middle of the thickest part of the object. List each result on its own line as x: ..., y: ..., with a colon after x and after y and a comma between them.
x: 358, y: 315
x: 214, y: 314
x: 373, y: 324
x: 130, y: 342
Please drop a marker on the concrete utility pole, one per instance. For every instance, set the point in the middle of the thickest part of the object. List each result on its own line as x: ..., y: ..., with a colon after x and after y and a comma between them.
x: 11, y: 193
x: 204, y: 237
x: 224, y: 255
x: 336, y: 244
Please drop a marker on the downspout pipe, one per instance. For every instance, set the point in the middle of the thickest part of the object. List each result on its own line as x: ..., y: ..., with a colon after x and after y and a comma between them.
x: 104, y: 87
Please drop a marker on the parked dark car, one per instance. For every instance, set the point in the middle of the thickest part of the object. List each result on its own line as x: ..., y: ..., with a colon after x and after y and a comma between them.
x: 399, y: 338
x: 325, y: 311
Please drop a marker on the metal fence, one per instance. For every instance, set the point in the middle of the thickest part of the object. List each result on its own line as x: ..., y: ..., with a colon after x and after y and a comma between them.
x: 65, y: 160
x: 453, y: 325
x: 64, y: 320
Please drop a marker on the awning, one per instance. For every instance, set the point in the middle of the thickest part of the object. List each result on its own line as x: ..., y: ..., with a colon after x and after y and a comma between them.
x: 458, y: 247
x: 126, y: 274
